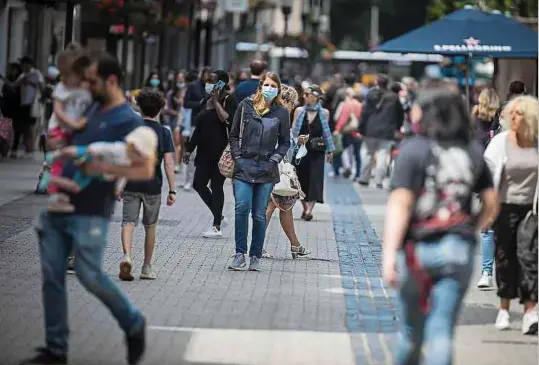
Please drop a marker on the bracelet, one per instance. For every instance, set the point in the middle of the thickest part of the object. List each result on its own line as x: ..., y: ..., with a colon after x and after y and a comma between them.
x: 172, y: 192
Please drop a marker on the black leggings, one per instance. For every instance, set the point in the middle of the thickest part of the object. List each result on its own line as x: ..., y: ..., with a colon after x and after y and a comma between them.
x: 214, y: 196
x: 516, y: 262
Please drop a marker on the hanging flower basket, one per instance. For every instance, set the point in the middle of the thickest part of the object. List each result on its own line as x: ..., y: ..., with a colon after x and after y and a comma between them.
x: 151, y: 8
x: 178, y: 21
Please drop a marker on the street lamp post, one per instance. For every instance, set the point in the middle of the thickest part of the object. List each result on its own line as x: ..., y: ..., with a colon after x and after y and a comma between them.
x: 286, y: 8
x: 305, y: 10
x: 315, y: 24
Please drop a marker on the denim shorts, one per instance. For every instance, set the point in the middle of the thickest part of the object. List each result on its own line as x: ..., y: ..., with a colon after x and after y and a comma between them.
x: 131, y: 208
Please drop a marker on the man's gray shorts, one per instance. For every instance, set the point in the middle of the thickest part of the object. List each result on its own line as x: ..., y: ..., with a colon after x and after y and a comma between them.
x: 131, y: 208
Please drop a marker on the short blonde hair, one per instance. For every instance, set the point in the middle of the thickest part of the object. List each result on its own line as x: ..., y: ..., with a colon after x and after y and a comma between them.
x: 289, y: 95
x: 529, y: 107
x: 488, y: 104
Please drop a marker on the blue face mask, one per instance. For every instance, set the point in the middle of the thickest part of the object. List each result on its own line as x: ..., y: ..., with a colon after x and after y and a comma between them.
x: 180, y: 85
x: 155, y: 82
x: 269, y: 93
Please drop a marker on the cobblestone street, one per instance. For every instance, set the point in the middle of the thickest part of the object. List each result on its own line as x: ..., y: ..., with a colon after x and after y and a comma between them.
x: 329, y: 309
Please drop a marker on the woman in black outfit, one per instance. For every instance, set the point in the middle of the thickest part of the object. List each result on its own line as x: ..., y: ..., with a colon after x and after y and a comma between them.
x: 210, y: 138
x: 312, y: 120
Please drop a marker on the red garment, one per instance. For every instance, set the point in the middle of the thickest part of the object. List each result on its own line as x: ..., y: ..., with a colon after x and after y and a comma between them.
x: 349, y: 106
x: 420, y: 275
x: 58, y: 166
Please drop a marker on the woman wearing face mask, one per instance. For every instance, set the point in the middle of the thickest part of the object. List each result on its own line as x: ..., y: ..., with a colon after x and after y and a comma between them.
x: 210, y: 139
x: 286, y: 203
x: 154, y: 82
x: 259, y: 139
x: 174, y: 114
x: 312, y: 120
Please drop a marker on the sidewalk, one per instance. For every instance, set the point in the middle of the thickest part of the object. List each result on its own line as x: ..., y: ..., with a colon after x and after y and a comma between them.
x: 330, y: 309
x: 477, y: 341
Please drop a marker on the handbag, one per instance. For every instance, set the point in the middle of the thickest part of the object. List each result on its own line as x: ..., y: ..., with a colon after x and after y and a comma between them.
x: 288, y: 184
x: 226, y: 162
x: 527, y: 229
x: 317, y: 144
x: 337, y: 142
x: 352, y: 125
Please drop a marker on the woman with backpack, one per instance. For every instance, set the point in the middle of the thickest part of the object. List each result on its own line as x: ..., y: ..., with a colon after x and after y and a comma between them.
x: 285, y: 204
x: 430, y: 229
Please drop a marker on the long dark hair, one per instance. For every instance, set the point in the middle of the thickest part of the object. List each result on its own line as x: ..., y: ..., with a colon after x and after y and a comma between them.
x: 444, y: 116
x: 150, y: 76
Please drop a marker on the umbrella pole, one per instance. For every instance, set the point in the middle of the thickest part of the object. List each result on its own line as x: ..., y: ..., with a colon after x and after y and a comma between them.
x: 468, y: 63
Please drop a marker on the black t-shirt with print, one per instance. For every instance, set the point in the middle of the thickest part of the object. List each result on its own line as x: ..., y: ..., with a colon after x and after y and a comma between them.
x: 444, y: 178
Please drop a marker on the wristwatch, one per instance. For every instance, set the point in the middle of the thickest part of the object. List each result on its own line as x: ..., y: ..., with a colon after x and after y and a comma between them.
x: 172, y: 192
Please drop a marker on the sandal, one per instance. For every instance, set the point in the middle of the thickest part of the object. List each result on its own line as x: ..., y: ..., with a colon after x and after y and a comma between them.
x: 267, y: 255
x: 308, y: 217
x: 299, y: 251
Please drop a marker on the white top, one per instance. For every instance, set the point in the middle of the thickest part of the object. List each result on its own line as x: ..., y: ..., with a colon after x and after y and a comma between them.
x: 29, y: 92
x: 114, y: 153
x: 75, y: 102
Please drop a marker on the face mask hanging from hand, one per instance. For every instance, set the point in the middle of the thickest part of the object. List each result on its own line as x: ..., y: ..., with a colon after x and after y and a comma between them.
x: 302, y: 152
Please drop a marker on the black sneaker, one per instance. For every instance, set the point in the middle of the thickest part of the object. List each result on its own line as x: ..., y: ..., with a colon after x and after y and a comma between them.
x: 136, y: 345
x: 45, y: 357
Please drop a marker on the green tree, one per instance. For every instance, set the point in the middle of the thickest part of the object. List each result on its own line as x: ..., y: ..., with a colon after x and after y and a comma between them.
x: 524, y: 8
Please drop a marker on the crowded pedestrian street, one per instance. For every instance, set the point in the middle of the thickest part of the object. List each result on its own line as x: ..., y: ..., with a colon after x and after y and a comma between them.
x: 329, y: 308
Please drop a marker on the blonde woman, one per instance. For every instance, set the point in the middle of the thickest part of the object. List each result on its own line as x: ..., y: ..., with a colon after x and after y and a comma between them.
x: 512, y: 157
x: 483, y: 115
x: 286, y: 203
x: 262, y: 124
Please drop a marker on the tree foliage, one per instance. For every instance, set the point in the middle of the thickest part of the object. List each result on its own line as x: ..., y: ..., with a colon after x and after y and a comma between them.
x: 524, y: 8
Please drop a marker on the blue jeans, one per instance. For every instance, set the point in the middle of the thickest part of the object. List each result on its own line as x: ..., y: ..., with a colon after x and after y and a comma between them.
x: 87, y: 237
x: 251, y: 198
x: 487, y: 251
x: 348, y: 141
x: 449, y: 263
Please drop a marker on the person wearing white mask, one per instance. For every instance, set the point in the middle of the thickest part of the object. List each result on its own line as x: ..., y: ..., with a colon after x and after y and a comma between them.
x: 259, y: 139
x: 210, y: 139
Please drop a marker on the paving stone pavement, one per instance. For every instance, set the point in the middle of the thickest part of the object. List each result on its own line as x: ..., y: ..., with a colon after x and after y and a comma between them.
x: 331, y: 309
x: 476, y: 340
x: 291, y: 313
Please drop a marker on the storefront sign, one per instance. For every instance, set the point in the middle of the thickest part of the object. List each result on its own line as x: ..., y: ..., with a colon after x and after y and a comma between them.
x: 471, y: 45
x: 236, y: 6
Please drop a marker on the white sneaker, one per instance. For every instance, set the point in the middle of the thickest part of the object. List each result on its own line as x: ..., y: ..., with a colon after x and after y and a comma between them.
x: 125, y: 269
x: 225, y: 222
x: 529, y: 322
x: 502, y: 320
x: 485, y: 281
x: 212, y: 233
x: 187, y: 187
